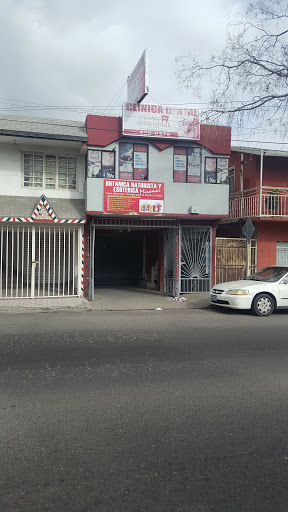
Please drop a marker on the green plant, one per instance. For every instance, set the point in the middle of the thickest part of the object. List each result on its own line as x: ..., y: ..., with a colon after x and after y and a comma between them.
x: 272, y: 200
x: 274, y: 192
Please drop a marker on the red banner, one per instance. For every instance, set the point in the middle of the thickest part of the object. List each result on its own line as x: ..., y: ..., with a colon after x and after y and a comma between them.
x: 142, y: 197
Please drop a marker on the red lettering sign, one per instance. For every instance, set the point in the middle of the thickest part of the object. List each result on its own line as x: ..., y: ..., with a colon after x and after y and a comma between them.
x: 141, y: 197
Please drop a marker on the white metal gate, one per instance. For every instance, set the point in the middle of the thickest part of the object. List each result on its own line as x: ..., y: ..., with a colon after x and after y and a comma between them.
x: 187, y: 260
x: 195, y: 259
x: 39, y: 260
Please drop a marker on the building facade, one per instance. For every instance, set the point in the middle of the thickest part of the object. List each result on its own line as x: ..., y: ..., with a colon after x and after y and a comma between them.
x: 42, y: 208
x: 153, y: 206
x: 259, y: 191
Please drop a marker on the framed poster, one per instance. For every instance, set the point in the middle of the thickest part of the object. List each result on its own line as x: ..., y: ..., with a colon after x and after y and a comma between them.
x: 108, y: 164
x: 222, y: 170
x: 126, y: 161
x: 180, y: 163
x: 210, y: 174
x: 194, y: 165
x: 140, y: 162
x: 94, y: 168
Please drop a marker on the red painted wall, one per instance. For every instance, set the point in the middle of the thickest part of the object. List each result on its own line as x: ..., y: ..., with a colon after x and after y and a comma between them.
x: 268, y: 234
x: 275, y: 169
x: 275, y: 172
x: 251, y: 170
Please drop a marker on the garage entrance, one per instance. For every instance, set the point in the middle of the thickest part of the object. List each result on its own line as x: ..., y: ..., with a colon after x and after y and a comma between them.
x: 125, y: 258
x: 125, y: 252
x: 119, y: 258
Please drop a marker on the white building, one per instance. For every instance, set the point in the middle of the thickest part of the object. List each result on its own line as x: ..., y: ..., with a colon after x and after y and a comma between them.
x: 42, y: 209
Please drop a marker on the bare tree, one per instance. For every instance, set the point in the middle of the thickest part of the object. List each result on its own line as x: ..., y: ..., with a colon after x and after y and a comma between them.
x: 248, y: 80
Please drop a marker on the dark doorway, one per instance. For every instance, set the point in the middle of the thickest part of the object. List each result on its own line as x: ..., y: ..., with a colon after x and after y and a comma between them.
x: 118, y: 258
x: 126, y: 258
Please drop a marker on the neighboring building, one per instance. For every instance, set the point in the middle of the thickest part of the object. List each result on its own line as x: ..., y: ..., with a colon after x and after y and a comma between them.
x: 258, y: 183
x: 153, y: 205
x: 42, y: 209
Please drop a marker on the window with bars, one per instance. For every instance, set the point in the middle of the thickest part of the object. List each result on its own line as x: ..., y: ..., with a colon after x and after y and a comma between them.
x: 50, y: 171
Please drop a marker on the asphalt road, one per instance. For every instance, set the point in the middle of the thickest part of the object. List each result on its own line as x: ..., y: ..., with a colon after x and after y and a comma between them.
x: 162, y: 411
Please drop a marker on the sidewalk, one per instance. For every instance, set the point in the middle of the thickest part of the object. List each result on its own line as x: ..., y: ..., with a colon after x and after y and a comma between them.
x: 108, y: 299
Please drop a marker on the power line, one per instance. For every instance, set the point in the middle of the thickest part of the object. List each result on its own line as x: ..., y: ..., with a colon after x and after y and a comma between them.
x: 28, y: 104
x: 48, y: 122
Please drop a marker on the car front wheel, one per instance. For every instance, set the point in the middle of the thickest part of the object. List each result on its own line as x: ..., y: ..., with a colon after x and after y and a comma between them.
x: 263, y: 305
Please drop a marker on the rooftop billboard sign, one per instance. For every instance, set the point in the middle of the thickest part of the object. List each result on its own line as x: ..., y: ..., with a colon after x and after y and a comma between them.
x: 137, y: 82
x: 163, y: 121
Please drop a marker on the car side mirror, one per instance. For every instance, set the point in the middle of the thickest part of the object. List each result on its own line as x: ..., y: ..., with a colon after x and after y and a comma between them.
x: 284, y: 281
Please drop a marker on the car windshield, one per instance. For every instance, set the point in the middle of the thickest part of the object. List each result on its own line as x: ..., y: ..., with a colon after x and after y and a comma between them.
x: 268, y: 274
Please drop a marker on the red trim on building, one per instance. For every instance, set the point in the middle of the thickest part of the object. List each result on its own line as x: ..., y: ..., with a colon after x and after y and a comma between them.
x: 103, y: 130
x: 43, y: 220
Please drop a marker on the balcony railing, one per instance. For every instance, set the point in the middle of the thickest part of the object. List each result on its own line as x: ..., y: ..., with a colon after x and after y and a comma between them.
x: 273, y: 202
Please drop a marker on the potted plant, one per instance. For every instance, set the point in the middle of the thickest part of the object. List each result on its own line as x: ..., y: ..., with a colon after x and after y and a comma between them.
x: 272, y: 200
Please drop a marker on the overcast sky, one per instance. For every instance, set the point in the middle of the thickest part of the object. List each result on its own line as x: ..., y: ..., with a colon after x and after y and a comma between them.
x: 77, y: 55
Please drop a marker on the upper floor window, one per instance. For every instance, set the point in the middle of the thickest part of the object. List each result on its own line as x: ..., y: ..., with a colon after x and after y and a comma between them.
x: 216, y: 170
x: 133, y: 161
x: 187, y: 165
x: 101, y: 164
x: 231, y: 180
x: 49, y: 171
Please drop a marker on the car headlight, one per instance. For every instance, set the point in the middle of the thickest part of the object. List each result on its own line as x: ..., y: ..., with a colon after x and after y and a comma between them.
x: 237, y: 292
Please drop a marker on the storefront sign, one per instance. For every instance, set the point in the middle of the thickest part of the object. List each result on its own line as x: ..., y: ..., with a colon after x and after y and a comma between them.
x: 160, y: 121
x: 142, y: 197
x: 137, y: 82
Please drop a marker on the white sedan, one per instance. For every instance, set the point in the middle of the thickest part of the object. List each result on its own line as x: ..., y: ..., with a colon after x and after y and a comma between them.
x: 261, y: 292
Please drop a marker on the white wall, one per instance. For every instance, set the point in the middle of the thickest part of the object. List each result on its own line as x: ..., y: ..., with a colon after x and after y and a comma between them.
x: 11, y: 168
x: 205, y: 199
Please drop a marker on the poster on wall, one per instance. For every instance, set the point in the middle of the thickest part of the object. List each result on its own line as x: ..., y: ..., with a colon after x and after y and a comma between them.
x: 180, y: 165
x: 194, y: 165
x: 180, y: 162
x: 133, y: 197
x: 210, y: 175
x: 94, y: 169
x: 108, y: 164
x: 140, y: 162
x: 222, y: 170
x: 126, y: 161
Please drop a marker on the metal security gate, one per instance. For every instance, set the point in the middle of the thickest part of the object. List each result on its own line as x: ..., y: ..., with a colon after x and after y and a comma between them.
x: 231, y: 259
x: 39, y: 260
x: 187, y: 260
x: 195, y: 260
